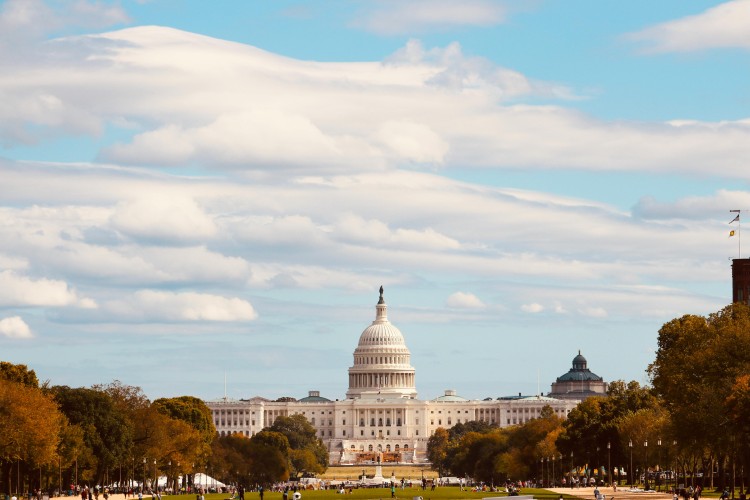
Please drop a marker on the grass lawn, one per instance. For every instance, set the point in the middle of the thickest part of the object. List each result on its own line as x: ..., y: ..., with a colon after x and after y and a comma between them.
x: 444, y: 493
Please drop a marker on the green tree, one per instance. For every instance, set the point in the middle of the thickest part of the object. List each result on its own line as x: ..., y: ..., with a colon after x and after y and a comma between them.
x: 268, y: 455
x: 107, y: 431
x: 18, y: 373
x: 310, y: 455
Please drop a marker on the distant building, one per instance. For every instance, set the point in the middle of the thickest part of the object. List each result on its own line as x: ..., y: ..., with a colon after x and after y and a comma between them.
x: 741, y: 280
x: 381, y: 415
x: 579, y: 383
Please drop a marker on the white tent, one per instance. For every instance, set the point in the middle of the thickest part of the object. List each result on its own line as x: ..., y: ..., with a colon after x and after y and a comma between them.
x: 207, y: 481
x: 199, y: 479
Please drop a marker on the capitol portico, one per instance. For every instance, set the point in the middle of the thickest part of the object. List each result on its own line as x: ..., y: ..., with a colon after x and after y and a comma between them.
x: 381, y: 412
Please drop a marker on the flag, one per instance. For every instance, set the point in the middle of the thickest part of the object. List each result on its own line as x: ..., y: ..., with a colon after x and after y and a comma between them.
x: 731, y: 233
x: 735, y: 219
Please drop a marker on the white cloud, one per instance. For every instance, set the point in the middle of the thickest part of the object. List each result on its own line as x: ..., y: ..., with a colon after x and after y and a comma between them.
x: 391, y: 17
x: 464, y: 300
x: 156, y: 306
x: 15, y: 328
x: 16, y: 290
x: 722, y: 26
x: 164, y: 217
x: 219, y: 105
x: 532, y: 308
x: 23, y: 21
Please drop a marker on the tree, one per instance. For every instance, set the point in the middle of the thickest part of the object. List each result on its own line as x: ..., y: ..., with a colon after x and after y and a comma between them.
x: 268, y: 455
x: 18, y: 373
x: 107, y: 431
x: 310, y: 455
x: 30, y: 426
x: 698, y: 363
x: 191, y: 410
x: 437, y: 450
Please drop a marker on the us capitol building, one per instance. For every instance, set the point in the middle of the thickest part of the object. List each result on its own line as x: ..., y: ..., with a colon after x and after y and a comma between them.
x: 381, y: 415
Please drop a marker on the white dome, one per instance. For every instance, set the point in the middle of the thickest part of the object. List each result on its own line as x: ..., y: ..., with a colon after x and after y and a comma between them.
x: 382, y: 362
x: 381, y: 334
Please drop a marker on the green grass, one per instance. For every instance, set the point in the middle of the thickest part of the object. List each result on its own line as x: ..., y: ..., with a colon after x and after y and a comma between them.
x: 444, y: 493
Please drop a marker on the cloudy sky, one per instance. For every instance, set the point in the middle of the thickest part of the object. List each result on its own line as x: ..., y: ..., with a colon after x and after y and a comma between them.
x: 192, y: 190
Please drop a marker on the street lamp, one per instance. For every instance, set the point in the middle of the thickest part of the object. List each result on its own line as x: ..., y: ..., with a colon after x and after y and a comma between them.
x: 611, y: 477
x: 143, y: 484
x: 645, y: 465
x: 658, y: 467
x: 630, y: 472
x: 552, y: 484
x: 541, y: 477
x: 571, y: 469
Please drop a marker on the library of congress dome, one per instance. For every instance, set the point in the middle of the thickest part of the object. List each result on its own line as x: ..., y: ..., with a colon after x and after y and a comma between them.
x: 381, y: 415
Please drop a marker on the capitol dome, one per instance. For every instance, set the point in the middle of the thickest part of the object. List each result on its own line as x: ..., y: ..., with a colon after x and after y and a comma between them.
x: 382, y: 362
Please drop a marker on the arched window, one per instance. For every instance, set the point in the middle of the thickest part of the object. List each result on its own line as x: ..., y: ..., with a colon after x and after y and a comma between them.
x: 380, y: 447
x: 396, y: 448
x: 372, y: 422
x: 398, y: 422
x: 369, y: 448
x: 361, y: 422
x: 406, y: 447
x: 380, y: 422
x: 387, y: 447
x: 387, y: 422
x: 312, y: 421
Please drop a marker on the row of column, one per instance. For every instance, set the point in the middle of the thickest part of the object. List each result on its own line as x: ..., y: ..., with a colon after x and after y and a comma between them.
x: 375, y: 380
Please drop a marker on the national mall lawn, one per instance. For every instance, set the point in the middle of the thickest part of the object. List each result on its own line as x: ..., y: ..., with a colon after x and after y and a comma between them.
x: 439, y: 493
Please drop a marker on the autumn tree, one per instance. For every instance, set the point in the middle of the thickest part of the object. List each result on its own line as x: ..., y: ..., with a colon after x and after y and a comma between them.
x: 30, y: 426
x: 699, y: 362
x: 437, y: 450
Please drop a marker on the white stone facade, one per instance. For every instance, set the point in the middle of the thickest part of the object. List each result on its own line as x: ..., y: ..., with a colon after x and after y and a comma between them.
x: 381, y: 414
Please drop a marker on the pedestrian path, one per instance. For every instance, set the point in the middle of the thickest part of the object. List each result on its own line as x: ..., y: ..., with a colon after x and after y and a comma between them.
x: 622, y: 493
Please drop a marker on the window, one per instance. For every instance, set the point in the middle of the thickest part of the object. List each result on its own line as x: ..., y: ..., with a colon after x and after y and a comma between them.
x: 345, y: 435
x: 361, y: 422
x: 387, y: 422
x: 344, y: 422
x: 369, y: 448
x: 398, y: 422
x: 372, y: 422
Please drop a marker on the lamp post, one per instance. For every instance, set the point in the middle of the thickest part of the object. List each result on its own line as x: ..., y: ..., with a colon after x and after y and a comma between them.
x: 552, y: 484
x: 630, y: 472
x: 611, y: 477
x: 645, y: 465
x: 155, y: 484
x: 541, y: 468
x: 571, y: 469
x: 143, y: 484
x: 658, y: 467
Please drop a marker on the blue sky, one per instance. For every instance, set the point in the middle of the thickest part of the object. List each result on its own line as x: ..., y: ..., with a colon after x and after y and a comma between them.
x: 189, y: 189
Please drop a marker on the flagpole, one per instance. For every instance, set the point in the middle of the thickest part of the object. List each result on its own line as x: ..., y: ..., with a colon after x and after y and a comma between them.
x: 739, y: 231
